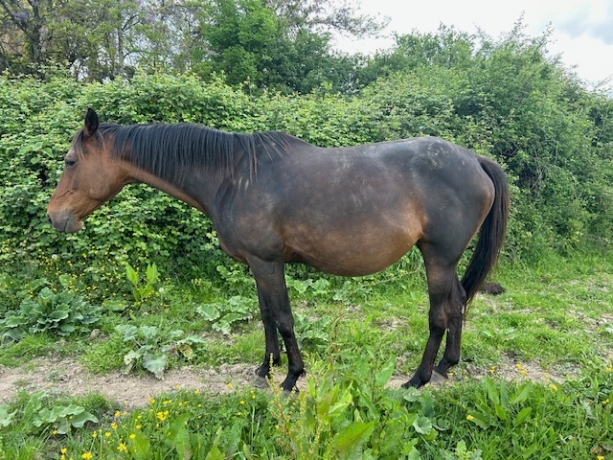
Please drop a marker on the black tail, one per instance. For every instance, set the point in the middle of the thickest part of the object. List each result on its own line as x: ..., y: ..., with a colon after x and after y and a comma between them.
x: 492, y: 232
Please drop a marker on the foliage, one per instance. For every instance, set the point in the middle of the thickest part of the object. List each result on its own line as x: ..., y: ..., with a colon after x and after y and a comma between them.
x: 504, y: 99
x: 143, y: 289
x: 61, y: 313
x: 40, y: 414
x: 281, y: 44
x: 150, y: 347
x: 223, y: 315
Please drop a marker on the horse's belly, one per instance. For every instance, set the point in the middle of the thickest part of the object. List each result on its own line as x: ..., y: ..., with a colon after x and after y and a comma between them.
x: 354, y: 259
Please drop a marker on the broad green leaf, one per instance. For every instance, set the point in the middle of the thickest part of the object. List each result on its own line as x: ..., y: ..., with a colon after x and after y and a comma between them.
x: 522, y: 393
x: 423, y: 425
x: 155, y: 364
x: 522, y: 415
x: 208, y: 311
x: 131, y: 275
x: 349, y: 438
x: 215, y: 454
x: 385, y: 373
x: 80, y: 419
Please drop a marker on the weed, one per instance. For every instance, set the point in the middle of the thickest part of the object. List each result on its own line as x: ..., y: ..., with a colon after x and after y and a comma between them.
x: 60, y: 313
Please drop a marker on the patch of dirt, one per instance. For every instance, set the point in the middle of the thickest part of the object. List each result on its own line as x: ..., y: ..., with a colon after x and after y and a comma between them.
x: 68, y: 377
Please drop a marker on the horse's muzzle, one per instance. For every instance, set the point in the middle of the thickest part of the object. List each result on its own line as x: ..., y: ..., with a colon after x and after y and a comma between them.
x: 64, y: 222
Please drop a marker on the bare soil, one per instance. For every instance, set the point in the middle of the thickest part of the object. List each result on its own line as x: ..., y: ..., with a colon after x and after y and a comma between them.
x: 67, y: 377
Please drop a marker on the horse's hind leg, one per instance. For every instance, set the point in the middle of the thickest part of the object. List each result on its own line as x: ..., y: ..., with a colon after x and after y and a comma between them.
x: 442, y: 289
x: 457, y: 305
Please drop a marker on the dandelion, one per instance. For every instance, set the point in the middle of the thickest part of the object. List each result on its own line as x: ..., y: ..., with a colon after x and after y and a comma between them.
x: 230, y: 385
x: 63, y: 450
x: 87, y: 456
x: 117, y: 414
x: 107, y: 434
x: 132, y: 436
x: 600, y: 457
x: 114, y: 426
x: 554, y: 387
x: 469, y: 417
x: 524, y: 372
x: 122, y: 447
x: 138, y: 427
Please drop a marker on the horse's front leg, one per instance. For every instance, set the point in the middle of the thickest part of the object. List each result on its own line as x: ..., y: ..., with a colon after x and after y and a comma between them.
x: 276, y: 315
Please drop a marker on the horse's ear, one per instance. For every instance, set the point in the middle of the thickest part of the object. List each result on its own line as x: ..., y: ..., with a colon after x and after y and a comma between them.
x: 91, y: 122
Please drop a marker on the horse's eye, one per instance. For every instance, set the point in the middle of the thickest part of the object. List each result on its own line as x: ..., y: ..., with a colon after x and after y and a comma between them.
x: 69, y: 163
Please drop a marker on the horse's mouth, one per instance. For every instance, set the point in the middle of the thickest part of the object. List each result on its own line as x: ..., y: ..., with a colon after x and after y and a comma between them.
x: 67, y: 225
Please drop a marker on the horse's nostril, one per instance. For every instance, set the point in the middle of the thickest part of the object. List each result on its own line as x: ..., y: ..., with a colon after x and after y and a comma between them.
x: 49, y: 219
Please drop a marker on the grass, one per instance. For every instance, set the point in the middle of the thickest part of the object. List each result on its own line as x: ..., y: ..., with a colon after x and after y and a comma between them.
x: 536, y: 380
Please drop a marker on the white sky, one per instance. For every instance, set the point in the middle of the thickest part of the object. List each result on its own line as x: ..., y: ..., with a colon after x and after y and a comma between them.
x: 582, y: 29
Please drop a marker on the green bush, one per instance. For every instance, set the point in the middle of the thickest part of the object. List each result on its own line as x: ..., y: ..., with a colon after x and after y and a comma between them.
x: 505, y: 100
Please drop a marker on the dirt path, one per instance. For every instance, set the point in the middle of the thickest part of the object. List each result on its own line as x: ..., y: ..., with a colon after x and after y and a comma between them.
x: 67, y: 377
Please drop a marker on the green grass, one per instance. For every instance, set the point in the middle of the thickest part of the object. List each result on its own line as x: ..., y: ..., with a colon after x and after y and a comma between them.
x: 536, y: 379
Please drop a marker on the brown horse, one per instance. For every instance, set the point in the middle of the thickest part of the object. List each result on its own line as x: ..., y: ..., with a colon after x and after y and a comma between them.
x: 275, y: 199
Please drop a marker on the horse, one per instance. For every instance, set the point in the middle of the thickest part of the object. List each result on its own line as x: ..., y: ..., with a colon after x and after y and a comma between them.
x: 275, y: 199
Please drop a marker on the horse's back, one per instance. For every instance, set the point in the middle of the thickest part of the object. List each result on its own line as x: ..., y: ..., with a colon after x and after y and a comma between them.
x: 356, y: 210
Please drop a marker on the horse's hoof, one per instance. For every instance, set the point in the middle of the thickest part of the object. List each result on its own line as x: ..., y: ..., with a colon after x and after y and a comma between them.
x: 260, y: 382
x: 440, y: 373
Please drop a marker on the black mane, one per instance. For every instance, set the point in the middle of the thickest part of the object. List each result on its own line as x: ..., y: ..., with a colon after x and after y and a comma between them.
x: 170, y: 151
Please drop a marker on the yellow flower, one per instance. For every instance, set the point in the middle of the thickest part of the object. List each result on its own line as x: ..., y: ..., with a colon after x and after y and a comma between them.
x: 63, y: 450
x: 122, y: 447
x: 95, y: 434
x: 138, y: 427
x: 469, y: 417
x: 554, y: 387
x: 162, y: 416
x: 107, y: 434
x: 241, y: 402
x: 600, y: 457
x: 87, y: 456
x: 132, y: 436
x: 114, y: 426
x: 117, y: 414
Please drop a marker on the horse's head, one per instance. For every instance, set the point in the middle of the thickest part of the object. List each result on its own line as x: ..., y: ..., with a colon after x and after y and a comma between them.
x: 90, y: 177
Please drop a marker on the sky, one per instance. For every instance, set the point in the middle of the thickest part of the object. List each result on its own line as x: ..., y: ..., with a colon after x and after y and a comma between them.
x: 582, y: 29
